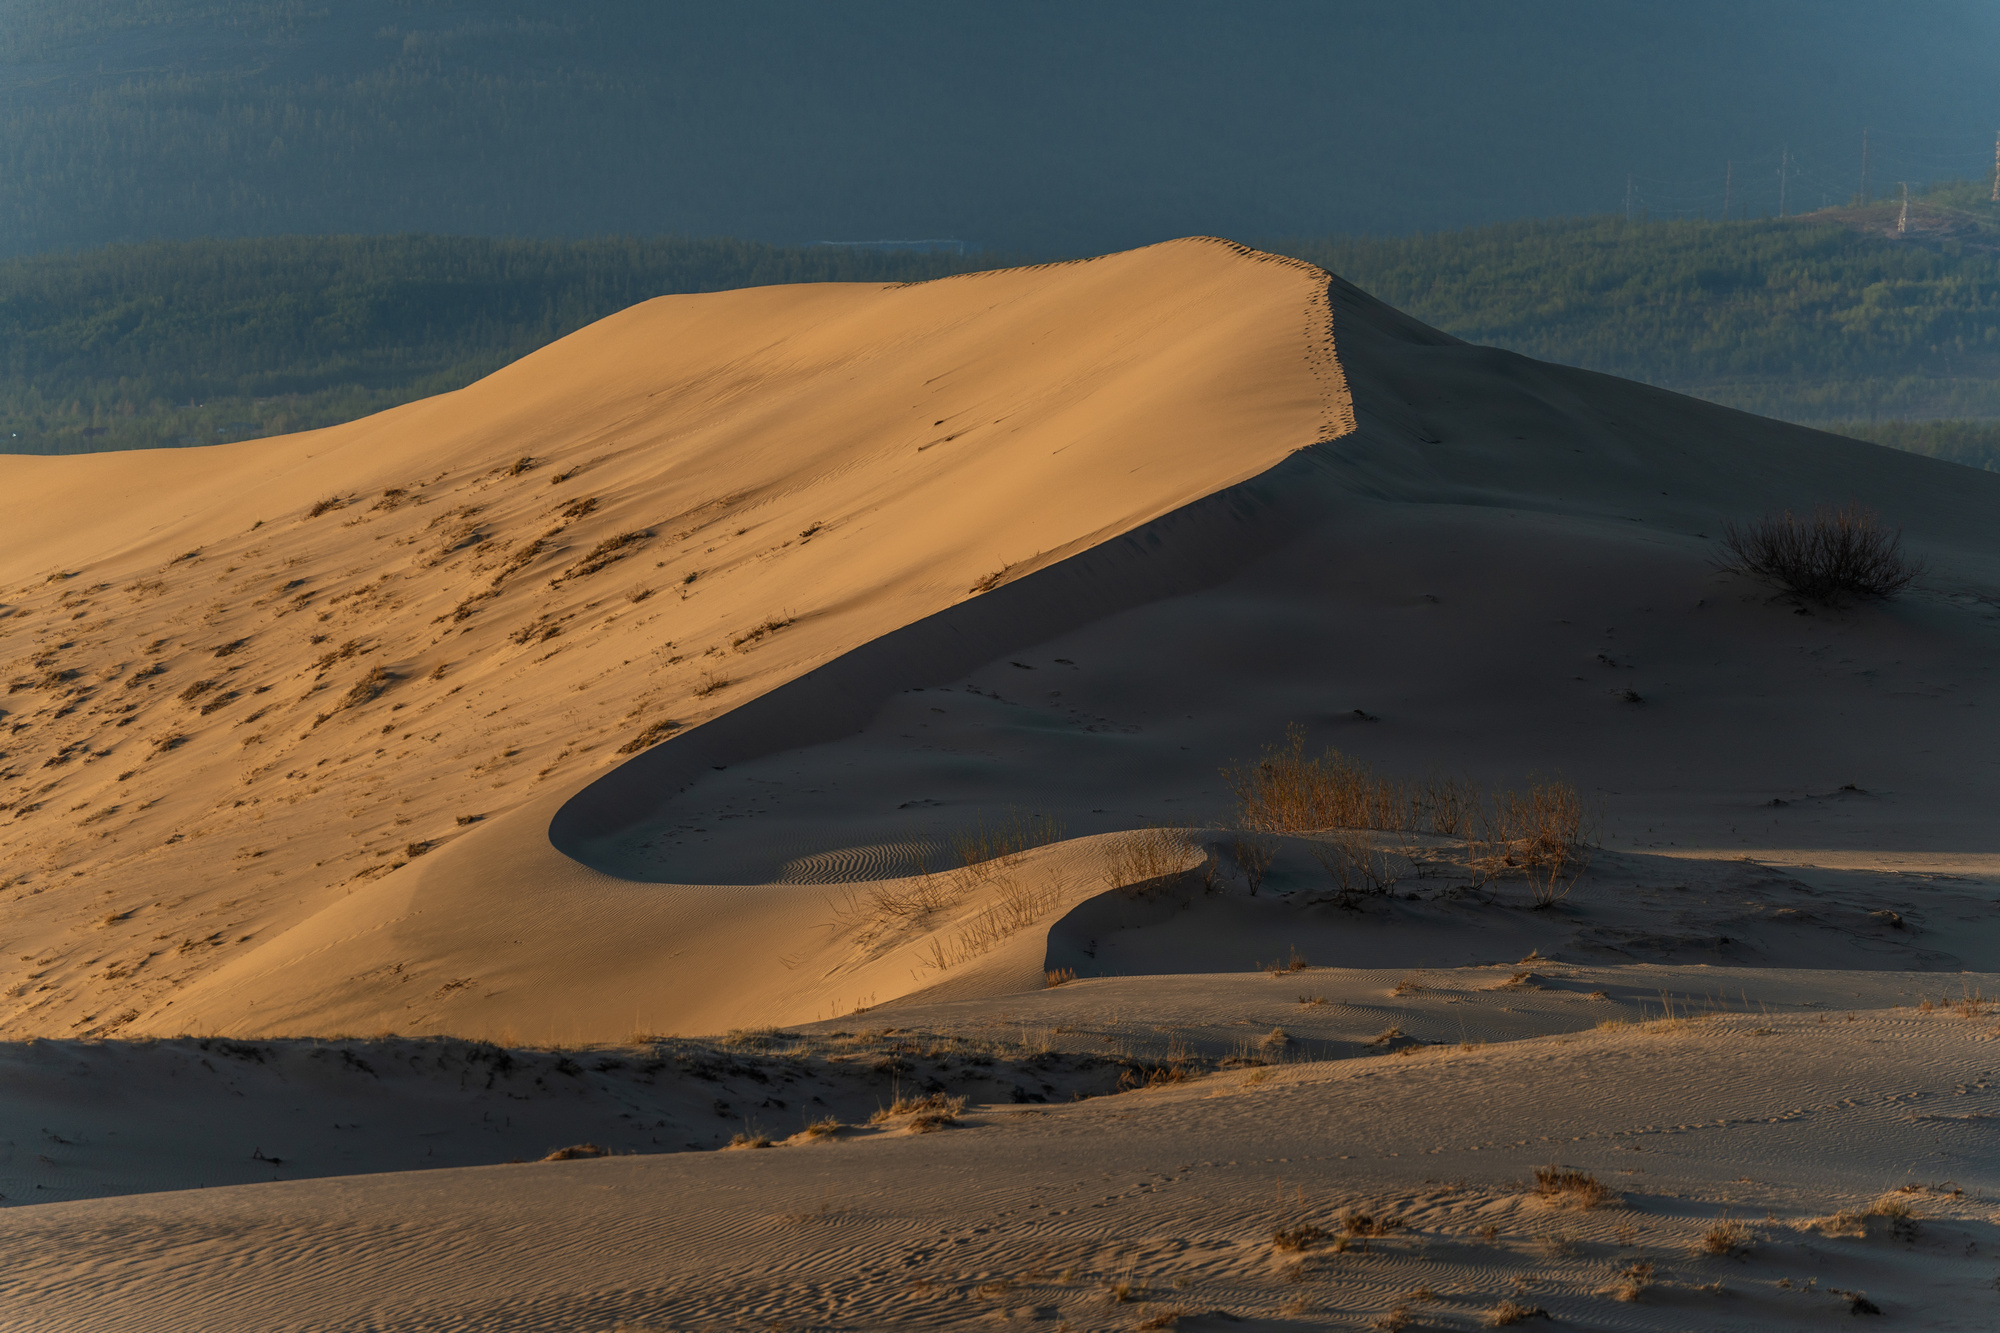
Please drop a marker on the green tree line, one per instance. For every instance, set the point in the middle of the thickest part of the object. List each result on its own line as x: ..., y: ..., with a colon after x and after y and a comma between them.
x: 1832, y: 320
x: 195, y: 342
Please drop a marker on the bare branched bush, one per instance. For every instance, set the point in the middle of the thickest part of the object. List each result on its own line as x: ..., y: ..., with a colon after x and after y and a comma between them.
x: 1253, y: 857
x: 1835, y: 551
x: 1357, y: 867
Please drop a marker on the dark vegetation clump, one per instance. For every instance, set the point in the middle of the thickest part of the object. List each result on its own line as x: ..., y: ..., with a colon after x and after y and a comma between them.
x: 1833, y: 552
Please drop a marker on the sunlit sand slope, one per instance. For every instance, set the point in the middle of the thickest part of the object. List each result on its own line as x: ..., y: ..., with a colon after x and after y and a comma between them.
x: 1507, y: 568
x: 248, y: 680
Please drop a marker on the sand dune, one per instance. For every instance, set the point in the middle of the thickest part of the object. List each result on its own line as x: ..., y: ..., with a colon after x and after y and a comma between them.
x: 224, y: 723
x: 813, y: 662
x: 1507, y: 568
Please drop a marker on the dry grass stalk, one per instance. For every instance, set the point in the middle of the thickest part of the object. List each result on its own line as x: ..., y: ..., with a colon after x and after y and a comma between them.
x: 1508, y: 1313
x: 577, y: 1152
x: 1291, y: 1240
x: 1145, y: 858
x: 1060, y: 976
x: 1572, y: 1189
x: 605, y: 553
x: 1539, y: 833
x: 1633, y: 1281
x: 1356, y: 1223
x: 1835, y: 551
x: 750, y: 637
x: 825, y: 1128
x: 651, y: 736
x: 1726, y: 1237
x: 1011, y: 835
x: 1292, y: 962
x: 1016, y: 907
x: 924, y: 1114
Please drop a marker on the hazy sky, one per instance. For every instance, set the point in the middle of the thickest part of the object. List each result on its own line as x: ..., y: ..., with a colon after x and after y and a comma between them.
x: 1045, y: 126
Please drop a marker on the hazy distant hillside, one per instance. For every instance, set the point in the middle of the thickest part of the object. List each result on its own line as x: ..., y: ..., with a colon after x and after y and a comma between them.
x: 195, y: 342
x: 1031, y: 125
x: 1817, y: 320
x: 1813, y: 320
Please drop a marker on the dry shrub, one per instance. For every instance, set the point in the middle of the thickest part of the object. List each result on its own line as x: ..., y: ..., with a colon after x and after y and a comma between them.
x: 577, y: 1152
x: 1358, y: 868
x: 1148, y: 857
x: 1407, y: 986
x: 748, y: 1140
x: 1726, y: 1237
x: 367, y: 688
x: 1508, y: 1313
x: 1357, y: 1223
x: 750, y: 637
x: 1833, y: 552
x: 924, y: 1114
x: 1253, y: 858
x: 1572, y: 1189
x: 1287, y: 792
x: 605, y: 553
x: 651, y: 736
x: 320, y: 507
x: 1633, y: 1281
x: 826, y: 1128
x: 1291, y: 1240
x: 1539, y: 833
x: 1162, y: 1319
x: 1060, y: 976
x: 1292, y: 962
x: 709, y: 684
x: 539, y: 630
x: 1155, y: 1074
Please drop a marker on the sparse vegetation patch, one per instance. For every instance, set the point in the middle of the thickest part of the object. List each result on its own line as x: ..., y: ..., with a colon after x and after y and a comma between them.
x: 1833, y: 552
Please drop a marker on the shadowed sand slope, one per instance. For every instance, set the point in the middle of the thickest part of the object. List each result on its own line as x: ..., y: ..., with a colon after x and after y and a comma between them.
x: 251, y: 679
x: 1506, y: 568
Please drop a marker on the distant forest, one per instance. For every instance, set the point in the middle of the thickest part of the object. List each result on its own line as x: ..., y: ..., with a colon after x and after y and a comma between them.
x: 199, y: 342
x: 1833, y: 320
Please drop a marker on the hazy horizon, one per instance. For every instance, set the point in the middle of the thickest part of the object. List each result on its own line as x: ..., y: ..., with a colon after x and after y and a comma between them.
x: 1030, y: 127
